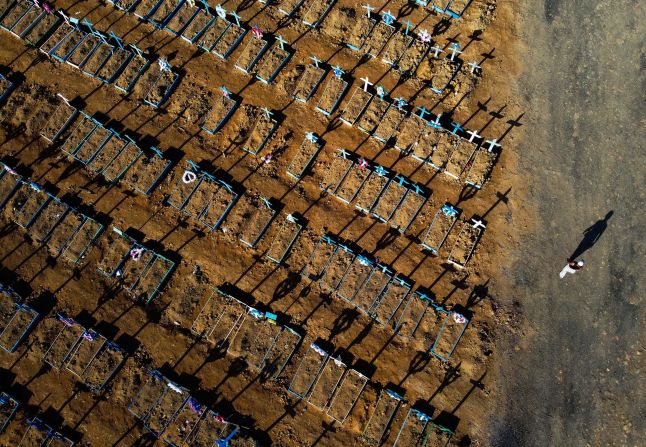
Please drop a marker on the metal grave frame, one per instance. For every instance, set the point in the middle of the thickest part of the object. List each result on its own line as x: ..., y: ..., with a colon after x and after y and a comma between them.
x: 375, y: 429
x: 340, y: 407
x: 447, y: 211
x: 315, y: 359
x: 285, y: 237
x: 266, y: 207
x: 67, y: 338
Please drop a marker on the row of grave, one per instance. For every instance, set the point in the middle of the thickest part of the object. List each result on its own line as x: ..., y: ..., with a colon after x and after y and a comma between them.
x: 321, y: 379
x: 66, y: 231
x: 379, y: 36
x: 452, y: 8
x: 78, y: 44
x: 37, y: 434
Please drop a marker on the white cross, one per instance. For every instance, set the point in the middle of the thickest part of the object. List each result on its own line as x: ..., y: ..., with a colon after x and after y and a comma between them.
x: 282, y: 42
x: 368, y: 8
x: 473, y: 136
x: 492, y: 144
x: 478, y: 223
x: 474, y: 66
x: 366, y: 83
x: 437, y: 120
x: 316, y: 61
x: 436, y: 51
x: 267, y: 112
x: 455, y: 49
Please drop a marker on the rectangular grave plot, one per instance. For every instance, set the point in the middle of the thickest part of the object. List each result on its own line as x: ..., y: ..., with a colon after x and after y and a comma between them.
x: 13, y: 16
x: 162, y: 88
x: 5, y: 6
x: 219, y: 206
x: 210, y: 36
x: 200, y: 197
x: 444, y: 71
x: 251, y: 54
x: 8, y: 407
x: 373, y: 287
x: 225, y: 327
x: 110, y: 150
x: 362, y: 29
x: 480, y: 168
x: 319, y: 259
x: 9, y: 181
x: 36, y: 435
x: 164, y: 13
x: 389, y: 124
x: 288, y: 7
x: 308, y: 370
x: 208, y: 431
x: 182, y: 18
x: 58, y: 121
x: 183, y: 191
x: 338, y: 265
x: 426, y: 144
x: 449, y: 336
x: 385, y: 410
x: 389, y: 201
x: 132, y: 269
x: 131, y: 73
x: 18, y: 327
x: 412, y: 57
x: 209, y: 314
x: 412, y: 314
x: 63, y: 232
x: 308, y: 83
x: 49, y: 216
x: 184, y: 422
x: 145, y: 8
x: 412, y: 430
x: 82, y: 240
x: 261, y: 217
x: 67, y: 45
x: 42, y: 29
x: 152, y: 279
x: 83, y: 51
x: 280, y: 353
x: 122, y: 162
x: 378, y: 38
x: 407, y: 211
x: 352, y: 183
x: 438, y: 436
x: 395, y: 48
x: 465, y: 245
x: 327, y: 383
x: 25, y: 213
x: 81, y: 130
x: 355, y: 106
x: 332, y: 95
x: 165, y: 410
x: 304, y: 157
x: 271, y: 64
x: 287, y: 233
x: 104, y: 366
x: 147, y: 172
x: 96, y: 60
x: 459, y: 159
x: 441, y: 225
x: 86, y: 349
x: 62, y: 346
x: 317, y: 12
x: 58, y: 440
x: 255, y: 338
x: 118, y: 248
x: 219, y: 114
x: 354, y: 278
x: 373, y: 115
x: 336, y: 172
x: 347, y: 395
x: 93, y: 144
x: 229, y: 40
x: 262, y: 131
x: 431, y: 323
x: 371, y: 191
x: 27, y: 20
x: 115, y: 65
x: 150, y: 391
x: 390, y: 301
x: 198, y: 24
x: 55, y: 38
x: 406, y: 138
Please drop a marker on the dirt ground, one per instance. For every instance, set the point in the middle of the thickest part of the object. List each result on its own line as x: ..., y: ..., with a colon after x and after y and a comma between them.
x: 459, y: 394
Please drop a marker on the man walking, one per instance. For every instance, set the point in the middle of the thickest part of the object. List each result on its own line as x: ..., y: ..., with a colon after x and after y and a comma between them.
x: 571, y: 267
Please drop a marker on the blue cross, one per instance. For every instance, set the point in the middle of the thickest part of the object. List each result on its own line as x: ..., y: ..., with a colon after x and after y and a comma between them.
x: 225, y: 91
x: 225, y: 442
x: 456, y: 128
x: 267, y: 112
x: 422, y: 111
x: 118, y: 40
x: 282, y: 42
x: 87, y: 23
x: 409, y: 25
x: 388, y: 18
x: 436, y: 123
x: 449, y: 211
x: 236, y: 17
x: 338, y: 72
x: 400, y: 103
x: 402, y: 180
x: 380, y: 170
x: 418, y: 189
x: 381, y: 91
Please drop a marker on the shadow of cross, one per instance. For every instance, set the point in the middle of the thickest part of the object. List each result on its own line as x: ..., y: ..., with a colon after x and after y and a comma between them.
x: 451, y: 374
x: 479, y: 293
x: 501, y: 197
x: 475, y: 384
x: 417, y: 364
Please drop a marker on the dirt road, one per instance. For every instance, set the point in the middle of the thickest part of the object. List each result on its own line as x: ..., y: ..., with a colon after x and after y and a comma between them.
x: 575, y: 379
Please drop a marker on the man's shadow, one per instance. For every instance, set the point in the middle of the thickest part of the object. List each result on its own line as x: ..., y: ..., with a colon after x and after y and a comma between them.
x: 591, y: 236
